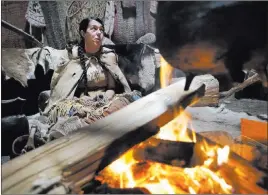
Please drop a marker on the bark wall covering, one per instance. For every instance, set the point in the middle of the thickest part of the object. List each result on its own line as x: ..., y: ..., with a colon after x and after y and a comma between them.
x: 131, y: 20
x: 14, y: 13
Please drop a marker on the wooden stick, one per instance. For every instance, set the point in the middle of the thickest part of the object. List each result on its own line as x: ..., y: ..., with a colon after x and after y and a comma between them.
x: 12, y: 100
x: 99, y: 143
x: 9, y: 26
x: 253, y: 79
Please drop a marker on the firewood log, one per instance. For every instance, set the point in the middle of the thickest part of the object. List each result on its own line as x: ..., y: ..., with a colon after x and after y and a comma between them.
x: 164, y: 151
x: 219, y: 137
x: 237, y: 171
x: 248, y: 152
x: 78, y: 156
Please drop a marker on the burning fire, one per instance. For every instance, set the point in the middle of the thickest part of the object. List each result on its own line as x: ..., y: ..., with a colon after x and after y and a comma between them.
x: 176, y: 130
x: 131, y: 171
x: 165, y: 73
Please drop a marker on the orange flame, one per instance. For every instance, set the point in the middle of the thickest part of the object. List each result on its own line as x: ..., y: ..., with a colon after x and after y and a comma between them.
x: 176, y: 130
x: 160, y: 178
x: 165, y: 73
x: 126, y: 172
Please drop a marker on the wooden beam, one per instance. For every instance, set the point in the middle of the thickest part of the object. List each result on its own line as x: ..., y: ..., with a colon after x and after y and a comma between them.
x: 78, y: 156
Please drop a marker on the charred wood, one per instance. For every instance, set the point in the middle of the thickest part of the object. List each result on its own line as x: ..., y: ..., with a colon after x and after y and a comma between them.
x: 165, y: 151
x: 105, y: 189
x: 78, y: 156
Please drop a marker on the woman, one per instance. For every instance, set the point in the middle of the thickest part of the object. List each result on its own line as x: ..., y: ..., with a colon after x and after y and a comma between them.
x: 83, y: 90
x: 85, y: 87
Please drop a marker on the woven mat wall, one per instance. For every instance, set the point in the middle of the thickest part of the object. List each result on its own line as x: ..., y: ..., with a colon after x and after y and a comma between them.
x: 13, y: 12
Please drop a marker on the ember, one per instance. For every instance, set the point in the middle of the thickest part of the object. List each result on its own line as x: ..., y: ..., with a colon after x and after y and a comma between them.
x: 130, y: 171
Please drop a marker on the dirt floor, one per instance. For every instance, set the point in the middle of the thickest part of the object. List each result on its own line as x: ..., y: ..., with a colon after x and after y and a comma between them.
x: 227, y: 116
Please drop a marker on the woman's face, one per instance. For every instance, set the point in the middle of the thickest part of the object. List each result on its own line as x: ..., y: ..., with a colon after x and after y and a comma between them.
x: 94, y: 33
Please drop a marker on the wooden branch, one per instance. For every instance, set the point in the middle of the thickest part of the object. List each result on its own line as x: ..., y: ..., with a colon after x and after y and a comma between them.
x: 251, y: 80
x: 78, y: 156
x: 12, y: 100
x: 13, y: 28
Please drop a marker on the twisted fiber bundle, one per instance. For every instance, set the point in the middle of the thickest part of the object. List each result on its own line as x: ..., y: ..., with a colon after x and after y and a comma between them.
x: 140, y: 20
x: 62, y: 9
x: 89, y: 111
x: 86, y: 106
x: 150, y: 15
x: 149, y: 20
x: 144, y: 20
x: 54, y: 31
x: 79, y: 10
x: 132, y: 22
x: 67, y: 125
x: 81, y: 107
x: 124, y: 25
x: 147, y: 74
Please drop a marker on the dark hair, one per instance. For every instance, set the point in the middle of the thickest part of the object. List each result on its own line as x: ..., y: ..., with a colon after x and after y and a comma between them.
x: 84, y: 25
x: 81, y: 48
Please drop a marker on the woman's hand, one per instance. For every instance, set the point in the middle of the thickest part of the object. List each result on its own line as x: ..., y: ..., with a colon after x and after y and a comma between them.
x: 110, y: 62
x: 109, y: 94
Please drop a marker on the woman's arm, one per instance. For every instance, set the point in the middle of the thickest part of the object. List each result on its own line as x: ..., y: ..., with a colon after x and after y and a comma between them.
x: 57, y: 73
x: 110, y: 62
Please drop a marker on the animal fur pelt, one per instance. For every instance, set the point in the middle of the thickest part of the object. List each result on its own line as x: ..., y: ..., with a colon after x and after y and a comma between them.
x: 20, y: 64
x: 16, y: 64
x: 138, y: 63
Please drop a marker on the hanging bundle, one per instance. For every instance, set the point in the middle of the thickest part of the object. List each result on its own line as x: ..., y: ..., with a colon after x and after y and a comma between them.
x: 35, y: 17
